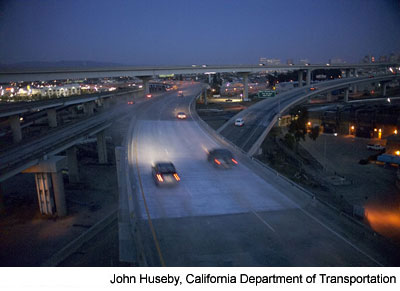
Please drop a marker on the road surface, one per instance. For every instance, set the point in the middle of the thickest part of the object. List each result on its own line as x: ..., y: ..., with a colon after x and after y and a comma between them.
x: 233, y: 217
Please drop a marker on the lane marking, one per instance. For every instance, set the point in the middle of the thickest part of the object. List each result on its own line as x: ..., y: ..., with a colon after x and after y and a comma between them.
x: 296, y: 204
x: 263, y: 221
x: 147, y: 209
x: 340, y: 236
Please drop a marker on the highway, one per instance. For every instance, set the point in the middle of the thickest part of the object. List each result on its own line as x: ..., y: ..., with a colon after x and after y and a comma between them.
x: 238, y: 217
x: 260, y: 117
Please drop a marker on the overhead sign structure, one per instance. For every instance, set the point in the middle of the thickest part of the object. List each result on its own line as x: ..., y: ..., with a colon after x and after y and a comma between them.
x: 266, y: 94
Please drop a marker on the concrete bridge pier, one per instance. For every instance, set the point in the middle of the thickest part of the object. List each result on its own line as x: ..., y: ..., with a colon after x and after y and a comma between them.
x: 348, y: 73
x: 50, y: 185
x: 73, y: 169
x: 52, y: 117
x: 205, y: 96
x: 102, y: 147
x: 308, y: 78
x: 346, y: 95
x: 245, y: 86
x: 15, y: 128
x: 145, y: 80
x: 384, y: 89
x: 300, y: 78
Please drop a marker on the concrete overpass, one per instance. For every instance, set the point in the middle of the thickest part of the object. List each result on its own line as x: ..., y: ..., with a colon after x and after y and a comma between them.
x: 146, y: 73
x: 13, y: 111
x: 263, y: 115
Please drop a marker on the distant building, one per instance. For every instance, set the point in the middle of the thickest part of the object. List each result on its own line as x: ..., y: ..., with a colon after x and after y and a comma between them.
x: 368, y: 59
x: 265, y: 61
x: 61, y: 91
x: 336, y: 61
x: 304, y: 61
x: 382, y: 59
x: 290, y: 62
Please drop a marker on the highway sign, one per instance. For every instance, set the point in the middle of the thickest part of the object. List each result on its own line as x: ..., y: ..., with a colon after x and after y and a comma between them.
x: 266, y: 94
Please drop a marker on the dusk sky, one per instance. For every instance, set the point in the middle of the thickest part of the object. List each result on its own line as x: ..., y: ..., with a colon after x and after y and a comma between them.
x: 184, y: 32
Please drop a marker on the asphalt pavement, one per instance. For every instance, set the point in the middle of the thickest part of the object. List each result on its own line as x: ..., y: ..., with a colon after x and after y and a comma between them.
x: 234, y: 217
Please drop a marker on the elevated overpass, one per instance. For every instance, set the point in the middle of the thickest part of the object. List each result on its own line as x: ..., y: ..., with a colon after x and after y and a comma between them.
x: 261, y: 116
x: 78, y: 73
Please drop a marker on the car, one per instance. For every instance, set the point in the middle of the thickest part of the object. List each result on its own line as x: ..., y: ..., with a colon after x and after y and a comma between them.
x: 228, y: 100
x: 375, y: 147
x: 221, y: 158
x: 180, y: 94
x: 164, y: 174
x: 131, y: 102
x: 239, y: 122
x: 204, y: 66
x: 313, y: 88
x: 181, y: 115
x: 148, y: 96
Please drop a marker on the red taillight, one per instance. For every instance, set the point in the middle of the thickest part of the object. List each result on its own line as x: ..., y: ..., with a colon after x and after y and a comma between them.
x: 217, y: 162
x: 233, y: 160
x: 148, y: 95
x: 177, y: 177
x: 160, y: 178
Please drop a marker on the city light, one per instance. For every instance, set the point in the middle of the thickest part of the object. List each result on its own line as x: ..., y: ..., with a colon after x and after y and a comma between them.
x: 395, y: 131
x: 397, y: 153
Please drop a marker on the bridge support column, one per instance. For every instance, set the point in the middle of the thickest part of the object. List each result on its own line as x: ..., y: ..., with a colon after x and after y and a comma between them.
x: 146, y: 87
x: 245, y: 86
x: 384, y: 89
x: 50, y: 185
x: 205, y: 96
x: 348, y: 73
x: 88, y: 108
x: 209, y: 79
x: 102, y: 147
x: 300, y: 78
x: 355, y: 88
x: 308, y: 78
x: 15, y: 128
x: 346, y: 95
x: 52, y: 117
x: 73, y: 170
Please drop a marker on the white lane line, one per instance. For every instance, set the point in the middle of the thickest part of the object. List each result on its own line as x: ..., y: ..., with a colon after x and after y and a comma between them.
x: 340, y: 236
x: 301, y: 209
x: 263, y: 221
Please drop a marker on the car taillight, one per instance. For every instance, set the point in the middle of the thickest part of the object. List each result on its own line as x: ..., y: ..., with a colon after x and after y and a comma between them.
x: 177, y: 177
x: 217, y: 162
x: 160, y: 178
x: 233, y: 160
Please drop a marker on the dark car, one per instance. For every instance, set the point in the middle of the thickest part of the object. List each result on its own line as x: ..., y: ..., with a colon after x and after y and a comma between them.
x: 164, y: 174
x: 222, y: 158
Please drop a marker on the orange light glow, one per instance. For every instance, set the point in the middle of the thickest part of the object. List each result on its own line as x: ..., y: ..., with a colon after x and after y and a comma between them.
x: 375, y: 130
x: 397, y: 153
x: 233, y: 160
x: 382, y: 220
x: 217, y: 162
x: 352, y: 127
x: 160, y: 178
x: 395, y: 131
x: 177, y: 177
